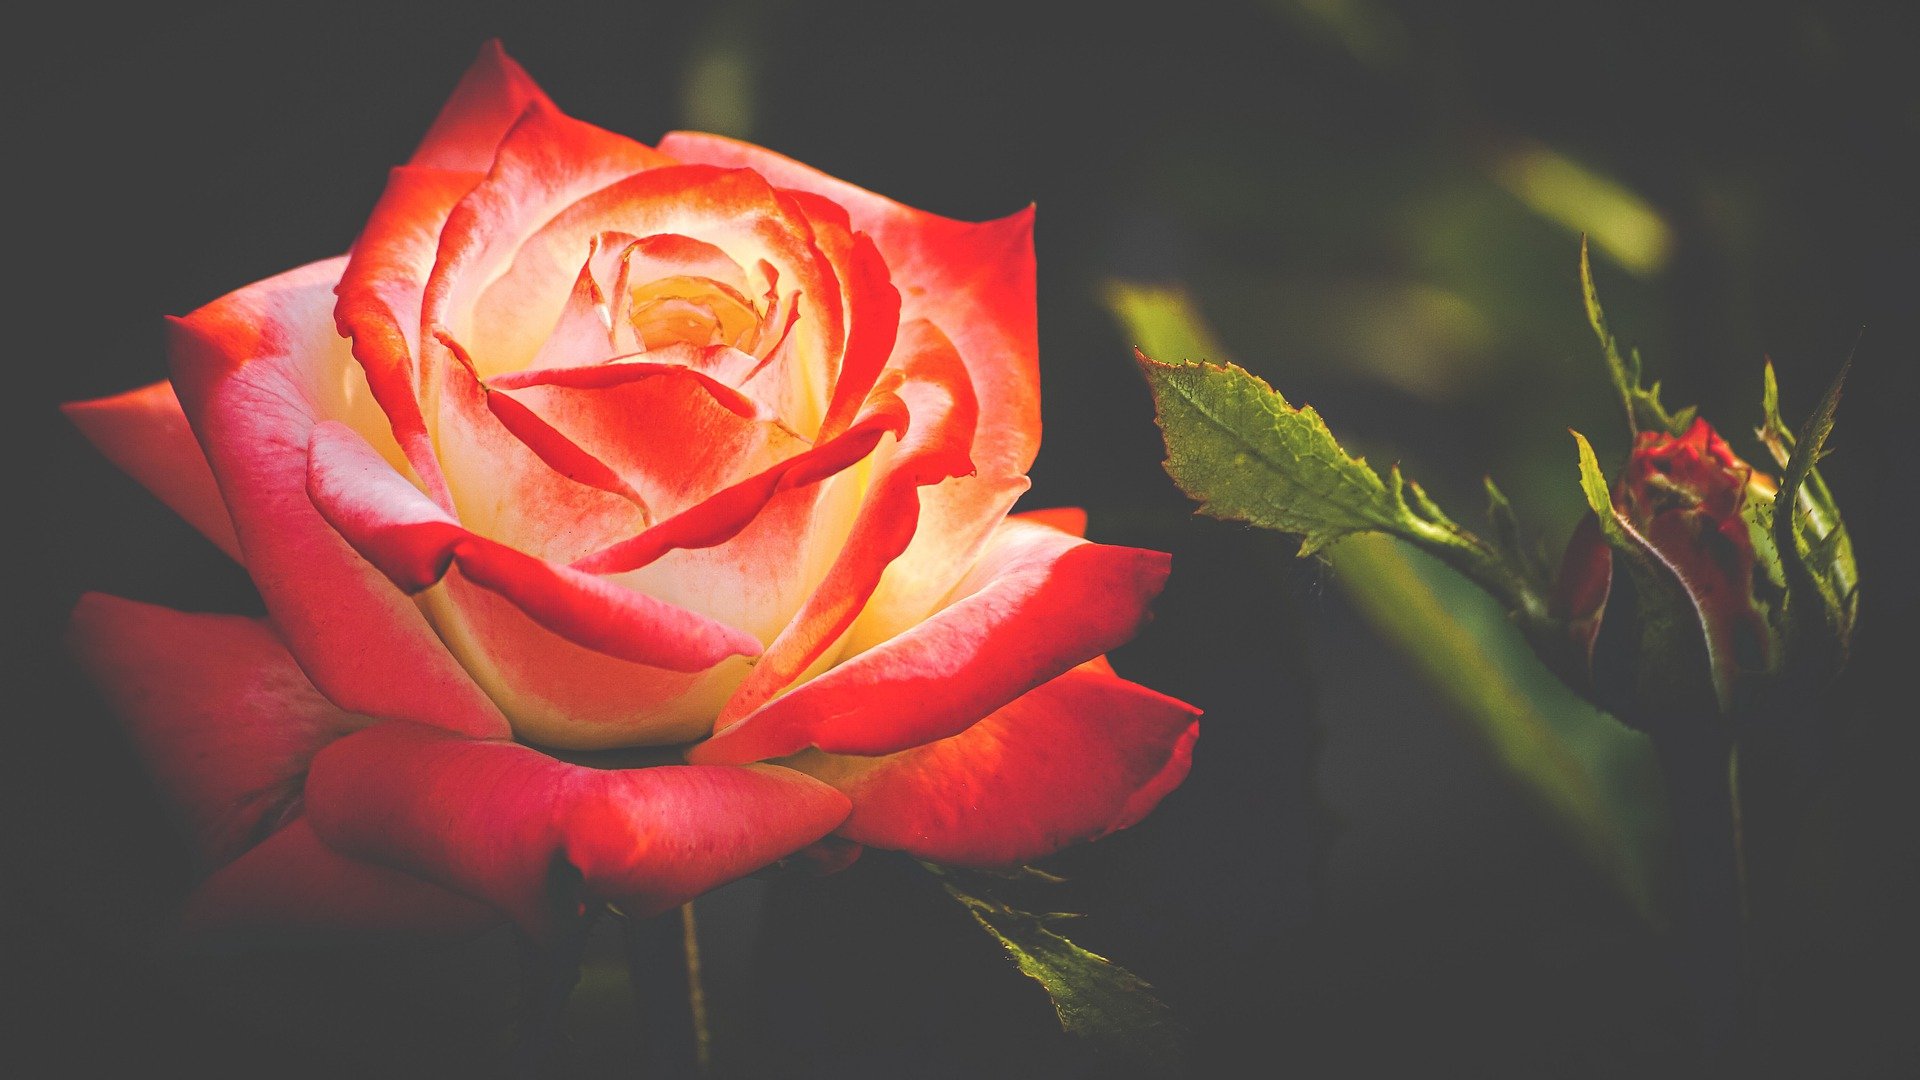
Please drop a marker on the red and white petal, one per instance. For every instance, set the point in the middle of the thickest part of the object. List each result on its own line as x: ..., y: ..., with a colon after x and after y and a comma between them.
x: 144, y: 433
x: 492, y: 819
x: 380, y: 294
x: 505, y: 612
x: 414, y: 543
x: 294, y: 884
x: 488, y: 99
x: 223, y: 717
x: 256, y: 370
x: 672, y: 434
x: 1071, y: 761
x: 1038, y: 603
x: 935, y: 447
x: 974, y: 281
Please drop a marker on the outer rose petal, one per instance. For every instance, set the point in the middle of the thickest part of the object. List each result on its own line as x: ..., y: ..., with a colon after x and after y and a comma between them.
x: 223, y: 716
x: 489, y: 98
x: 975, y: 282
x: 256, y: 370
x: 1038, y: 603
x: 492, y: 819
x: 144, y: 432
x: 295, y: 883
x: 1072, y: 761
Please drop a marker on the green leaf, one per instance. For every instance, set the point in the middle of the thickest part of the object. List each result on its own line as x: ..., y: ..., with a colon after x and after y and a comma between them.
x: 1815, y: 550
x: 1642, y: 404
x: 1113, y: 1009
x: 1237, y: 446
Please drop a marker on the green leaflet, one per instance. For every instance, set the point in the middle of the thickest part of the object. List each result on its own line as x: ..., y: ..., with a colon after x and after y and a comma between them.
x: 1096, y: 999
x: 1236, y: 445
x: 1239, y: 448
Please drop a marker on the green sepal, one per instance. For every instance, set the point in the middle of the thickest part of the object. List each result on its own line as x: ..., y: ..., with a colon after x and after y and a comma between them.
x: 1814, y: 549
x: 1099, y: 1001
x: 1642, y: 403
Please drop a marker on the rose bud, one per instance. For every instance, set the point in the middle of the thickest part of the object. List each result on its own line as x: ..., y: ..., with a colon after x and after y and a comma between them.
x: 1683, y: 503
x: 590, y: 444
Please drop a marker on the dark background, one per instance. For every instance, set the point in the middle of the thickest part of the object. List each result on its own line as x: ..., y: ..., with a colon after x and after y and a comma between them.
x: 1346, y: 884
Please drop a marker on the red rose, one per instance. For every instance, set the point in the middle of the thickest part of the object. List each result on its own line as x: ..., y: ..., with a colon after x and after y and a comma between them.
x: 594, y: 445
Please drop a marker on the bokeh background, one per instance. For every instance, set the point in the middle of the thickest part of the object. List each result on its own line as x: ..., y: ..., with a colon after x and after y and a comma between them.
x: 1375, y: 202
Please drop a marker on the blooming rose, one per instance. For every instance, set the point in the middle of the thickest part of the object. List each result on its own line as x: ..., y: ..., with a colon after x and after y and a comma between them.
x: 593, y: 445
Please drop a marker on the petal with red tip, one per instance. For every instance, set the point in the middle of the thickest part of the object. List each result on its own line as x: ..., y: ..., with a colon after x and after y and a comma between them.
x: 1038, y: 603
x: 488, y: 99
x: 293, y: 884
x: 144, y: 432
x: 1071, y: 761
x: 380, y: 293
x: 222, y: 715
x: 935, y: 447
x: 256, y: 370
x: 492, y: 819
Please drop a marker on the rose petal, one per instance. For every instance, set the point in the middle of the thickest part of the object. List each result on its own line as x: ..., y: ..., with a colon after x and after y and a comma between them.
x: 723, y: 515
x: 380, y: 294
x: 935, y: 447
x: 975, y: 282
x: 414, y: 543
x: 293, y: 883
x: 1038, y: 603
x: 733, y: 210
x: 488, y: 99
x: 144, y: 433
x: 671, y: 434
x: 223, y: 717
x: 546, y: 162
x: 1071, y: 761
x: 493, y: 819
x: 256, y: 370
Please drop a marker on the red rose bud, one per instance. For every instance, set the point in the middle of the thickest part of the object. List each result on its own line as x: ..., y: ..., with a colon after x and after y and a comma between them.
x: 1686, y: 496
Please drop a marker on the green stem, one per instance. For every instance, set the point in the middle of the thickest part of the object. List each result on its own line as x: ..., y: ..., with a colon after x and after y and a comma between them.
x: 663, y: 964
x: 696, y: 990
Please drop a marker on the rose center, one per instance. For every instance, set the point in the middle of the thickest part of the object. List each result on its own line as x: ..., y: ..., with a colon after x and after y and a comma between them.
x: 694, y: 311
